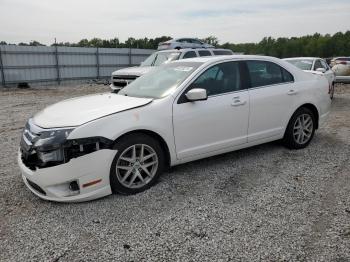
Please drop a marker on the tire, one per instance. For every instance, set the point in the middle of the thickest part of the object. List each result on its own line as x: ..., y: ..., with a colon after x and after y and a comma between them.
x: 131, y: 173
x: 332, y: 91
x: 300, y: 132
x: 178, y: 48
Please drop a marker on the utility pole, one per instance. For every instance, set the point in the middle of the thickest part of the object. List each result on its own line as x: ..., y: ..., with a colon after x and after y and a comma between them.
x: 57, y: 65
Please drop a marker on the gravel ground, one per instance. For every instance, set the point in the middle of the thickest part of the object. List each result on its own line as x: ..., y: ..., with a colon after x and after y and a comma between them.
x: 264, y: 203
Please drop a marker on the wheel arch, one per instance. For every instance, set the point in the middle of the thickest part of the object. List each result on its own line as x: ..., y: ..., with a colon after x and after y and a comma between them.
x: 154, y: 135
x: 313, y: 109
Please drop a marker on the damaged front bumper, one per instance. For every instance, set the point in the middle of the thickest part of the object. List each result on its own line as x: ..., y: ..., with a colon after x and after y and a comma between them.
x: 57, y: 168
x: 81, y: 179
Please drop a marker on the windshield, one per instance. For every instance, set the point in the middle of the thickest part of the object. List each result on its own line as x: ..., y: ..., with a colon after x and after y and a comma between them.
x: 161, y: 81
x: 157, y: 59
x: 149, y: 60
x: 303, y: 64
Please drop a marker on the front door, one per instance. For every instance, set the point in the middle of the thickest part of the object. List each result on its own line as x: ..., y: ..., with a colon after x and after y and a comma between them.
x: 219, y: 122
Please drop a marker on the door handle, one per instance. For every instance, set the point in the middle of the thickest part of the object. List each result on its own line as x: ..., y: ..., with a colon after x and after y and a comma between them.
x: 292, y: 92
x: 236, y: 101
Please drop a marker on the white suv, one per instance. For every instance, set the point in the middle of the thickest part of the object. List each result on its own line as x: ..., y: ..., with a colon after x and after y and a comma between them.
x: 88, y: 147
x: 123, y: 77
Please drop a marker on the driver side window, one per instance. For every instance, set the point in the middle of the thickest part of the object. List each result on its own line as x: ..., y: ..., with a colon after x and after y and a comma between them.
x: 219, y: 79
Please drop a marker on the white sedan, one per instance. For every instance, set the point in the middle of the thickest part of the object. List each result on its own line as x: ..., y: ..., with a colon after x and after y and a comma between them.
x: 89, y: 147
x: 181, y: 43
x: 315, y: 65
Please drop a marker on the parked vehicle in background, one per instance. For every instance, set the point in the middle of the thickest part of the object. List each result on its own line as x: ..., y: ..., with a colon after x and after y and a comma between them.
x: 341, y: 68
x: 88, y: 147
x: 315, y: 65
x: 123, y: 77
x: 181, y: 43
x: 340, y: 60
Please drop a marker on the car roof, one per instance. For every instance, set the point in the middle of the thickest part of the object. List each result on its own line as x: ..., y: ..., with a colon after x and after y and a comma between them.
x: 185, y: 38
x: 192, y: 49
x: 299, y: 58
x: 210, y: 59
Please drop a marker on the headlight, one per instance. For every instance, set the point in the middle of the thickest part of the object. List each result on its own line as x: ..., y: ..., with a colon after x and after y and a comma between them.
x: 51, y: 140
x: 49, y: 146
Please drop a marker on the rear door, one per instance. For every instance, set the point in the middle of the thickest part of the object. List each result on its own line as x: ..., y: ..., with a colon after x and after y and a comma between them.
x: 273, y: 94
x: 196, y: 43
x: 186, y: 43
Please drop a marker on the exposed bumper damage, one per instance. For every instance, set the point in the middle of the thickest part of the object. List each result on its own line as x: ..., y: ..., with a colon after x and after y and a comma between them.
x: 81, y: 179
x: 60, y: 169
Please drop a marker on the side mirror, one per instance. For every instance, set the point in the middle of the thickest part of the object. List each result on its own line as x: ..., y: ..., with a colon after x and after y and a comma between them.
x: 322, y: 70
x: 197, y: 94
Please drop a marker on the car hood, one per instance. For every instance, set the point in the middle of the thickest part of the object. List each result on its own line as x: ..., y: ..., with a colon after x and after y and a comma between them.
x: 133, y: 71
x: 77, y: 111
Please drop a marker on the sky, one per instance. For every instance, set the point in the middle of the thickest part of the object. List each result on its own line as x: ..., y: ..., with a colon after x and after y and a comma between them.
x: 229, y: 20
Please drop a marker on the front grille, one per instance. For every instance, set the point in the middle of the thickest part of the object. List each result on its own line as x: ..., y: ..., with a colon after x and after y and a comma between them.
x: 122, y: 81
x: 120, y: 84
x: 124, y: 77
x: 36, y: 187
x: 29, y: 160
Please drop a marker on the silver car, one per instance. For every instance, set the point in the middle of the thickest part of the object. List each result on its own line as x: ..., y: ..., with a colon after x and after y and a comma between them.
x: 181, y: 43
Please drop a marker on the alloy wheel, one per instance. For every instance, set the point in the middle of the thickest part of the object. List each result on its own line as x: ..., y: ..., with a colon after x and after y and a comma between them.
x: 136, y: 166
x: 303, y: 128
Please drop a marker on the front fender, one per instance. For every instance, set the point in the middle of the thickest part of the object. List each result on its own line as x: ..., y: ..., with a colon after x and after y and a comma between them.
x: 155, y: 117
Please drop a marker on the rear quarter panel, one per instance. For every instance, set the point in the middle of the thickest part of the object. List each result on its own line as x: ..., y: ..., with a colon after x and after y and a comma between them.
x: 313, y: 89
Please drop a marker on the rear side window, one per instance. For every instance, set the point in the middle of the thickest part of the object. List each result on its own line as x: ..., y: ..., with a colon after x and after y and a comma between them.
x: 194, y: 41
x: 222, y: 52
x: 204, y: 53
x: 264, y: 73
x: 189, y: 54
x: 287, y: 77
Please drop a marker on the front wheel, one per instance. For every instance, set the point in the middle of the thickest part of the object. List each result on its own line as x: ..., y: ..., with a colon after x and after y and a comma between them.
x: 137, y: 164
x: 300, y: 129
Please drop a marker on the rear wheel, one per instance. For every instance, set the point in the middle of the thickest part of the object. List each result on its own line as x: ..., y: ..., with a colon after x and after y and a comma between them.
x: 137, y: 164
x: 300, y: 129
x: 178, y: 48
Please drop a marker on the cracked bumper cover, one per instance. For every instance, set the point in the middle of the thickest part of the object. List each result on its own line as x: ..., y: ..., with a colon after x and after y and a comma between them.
x: 54, y: 181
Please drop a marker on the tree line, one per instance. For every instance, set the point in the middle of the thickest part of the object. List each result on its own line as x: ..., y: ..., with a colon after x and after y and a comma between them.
x: 317, y: 45
x: 311, y: 45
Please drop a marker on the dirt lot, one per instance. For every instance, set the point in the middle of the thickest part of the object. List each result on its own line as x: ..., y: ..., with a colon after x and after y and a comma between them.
x: 264, y: 203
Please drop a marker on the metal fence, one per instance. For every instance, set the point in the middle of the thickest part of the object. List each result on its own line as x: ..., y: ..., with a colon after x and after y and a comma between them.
x: 39, y: 64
